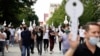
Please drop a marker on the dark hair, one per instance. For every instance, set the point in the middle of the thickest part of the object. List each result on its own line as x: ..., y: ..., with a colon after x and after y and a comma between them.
x: 86, y: 27
x: 63, y: 26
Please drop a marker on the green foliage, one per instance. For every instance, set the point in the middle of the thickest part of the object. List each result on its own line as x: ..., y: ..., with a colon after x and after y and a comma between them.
x: 14, y: 11
x: 91, y: 12
x: 58, y: 16
x: 90, y: 8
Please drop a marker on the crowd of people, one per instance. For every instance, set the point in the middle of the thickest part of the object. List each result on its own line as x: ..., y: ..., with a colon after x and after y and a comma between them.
x: 45, y: 37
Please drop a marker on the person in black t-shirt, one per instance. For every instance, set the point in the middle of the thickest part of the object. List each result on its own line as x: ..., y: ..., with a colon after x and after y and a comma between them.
x: 26, y: 39
x: 89, y: 47
x: 8, y: 37
x: 52, y: 39
x: 39, y: 39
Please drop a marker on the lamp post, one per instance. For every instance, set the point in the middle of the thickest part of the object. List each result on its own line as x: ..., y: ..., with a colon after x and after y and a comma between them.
x: 59, y: 27
x: 65, y: 21
x: 30, y: 27
x: 23, y: 22
x: 47, y: 26
x: 9, y: 24
x: 4, y: 23
x: 34, y: 23
x: 52, y: 25
x: 30, y: 23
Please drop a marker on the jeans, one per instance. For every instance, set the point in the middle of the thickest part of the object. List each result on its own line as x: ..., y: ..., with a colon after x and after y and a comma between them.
x: 64, y: 51
x: 2, y: 44
x: 46, y: 44
x: 32, y: 46
x: 24, y: 48
x: 60, y: 45
x: 51, y: 44
x: 12, y: 40
x: 39, y: 47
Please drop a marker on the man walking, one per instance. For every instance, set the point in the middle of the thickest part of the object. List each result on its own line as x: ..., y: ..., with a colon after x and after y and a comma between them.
x: 39, y: 38
x: 26, y: 38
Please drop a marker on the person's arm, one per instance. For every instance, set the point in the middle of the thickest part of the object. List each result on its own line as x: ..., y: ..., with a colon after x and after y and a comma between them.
x: 52, y: 33
x: 73, y: 46
x: 70, y: 52
x: 16, y: 38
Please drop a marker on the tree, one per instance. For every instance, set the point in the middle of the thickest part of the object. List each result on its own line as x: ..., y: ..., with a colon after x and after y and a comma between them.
x: 91, y: 12
x: 32, y: 17
x: 15, y: 10
x: 90, y: 8
x: 59, y: 15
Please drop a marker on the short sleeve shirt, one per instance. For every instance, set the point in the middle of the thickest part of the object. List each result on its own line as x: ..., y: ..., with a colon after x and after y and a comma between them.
x: 82, y: 50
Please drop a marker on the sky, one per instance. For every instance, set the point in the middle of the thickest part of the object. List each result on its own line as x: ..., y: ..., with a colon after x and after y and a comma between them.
x: 42, y: 6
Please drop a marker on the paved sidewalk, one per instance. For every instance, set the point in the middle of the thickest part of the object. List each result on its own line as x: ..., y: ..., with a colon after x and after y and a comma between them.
x: 15, y: 51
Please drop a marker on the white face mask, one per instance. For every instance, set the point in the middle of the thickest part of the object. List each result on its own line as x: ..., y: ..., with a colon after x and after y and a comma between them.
x: 94, y: 40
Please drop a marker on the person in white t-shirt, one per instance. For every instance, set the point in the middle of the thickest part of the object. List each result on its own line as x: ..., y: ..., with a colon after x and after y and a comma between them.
x: 46, y: 39
x: 60, y: 33
x: 12, y: 31
x: 81, y: 34
x: 18, y: 36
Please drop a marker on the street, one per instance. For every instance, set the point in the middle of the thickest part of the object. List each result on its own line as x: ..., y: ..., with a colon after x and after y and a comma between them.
x: 15, y: 51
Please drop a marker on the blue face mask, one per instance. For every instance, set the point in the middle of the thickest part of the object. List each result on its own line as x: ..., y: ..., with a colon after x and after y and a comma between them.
x: 93, y: 40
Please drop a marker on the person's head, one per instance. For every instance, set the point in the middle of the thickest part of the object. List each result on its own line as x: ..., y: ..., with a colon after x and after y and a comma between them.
x: 92, y: 32
x: 50, y: 28
x: 63, y: 28
x: 24, y: 27
x: 21, y: 27
x: 12, y: 27
x: 6, y: 28
x: 40, y: 28
x: 80, y: 27
x: 36, y: 28
x: 2, y: 30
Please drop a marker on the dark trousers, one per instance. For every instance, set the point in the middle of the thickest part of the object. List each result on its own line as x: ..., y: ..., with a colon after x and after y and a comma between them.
x: 52, y: 41
x: 32, y: 46
x: 12, y: 40
x: 24, y: 49
x: 2, y: 44
x: 60, y: 45
x: 39, y: 47
x: 46, y: 44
